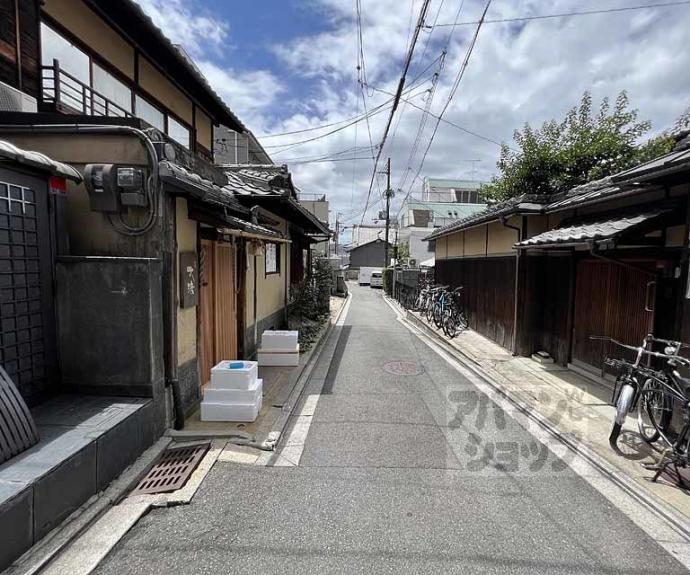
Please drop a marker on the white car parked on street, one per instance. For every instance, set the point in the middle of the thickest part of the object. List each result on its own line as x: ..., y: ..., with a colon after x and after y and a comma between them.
x: 376, y: 280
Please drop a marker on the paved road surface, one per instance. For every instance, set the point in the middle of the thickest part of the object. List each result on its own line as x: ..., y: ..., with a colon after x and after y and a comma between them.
x: 414, y: 472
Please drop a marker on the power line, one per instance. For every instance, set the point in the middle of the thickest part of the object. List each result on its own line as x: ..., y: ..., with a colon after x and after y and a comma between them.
x: 323, y: 160
x: 458, y: 126
x: 419, y: 79
x: 454, y: 88
x: 370, y: 113
x: 432, y: 92
x: 398, y: 93
x: 570, y: 14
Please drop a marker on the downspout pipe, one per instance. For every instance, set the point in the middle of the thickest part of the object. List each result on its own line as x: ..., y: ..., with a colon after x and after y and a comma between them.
x: 169, y: 327
x: 518, y: 255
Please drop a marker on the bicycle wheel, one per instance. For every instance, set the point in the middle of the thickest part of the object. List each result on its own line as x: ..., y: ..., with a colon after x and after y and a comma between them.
x: 625, y: 398
x: 450, y: 325
x: 654, y: 411
x: 430, y: 310
x: 461, y: 320
x: 438, y: 315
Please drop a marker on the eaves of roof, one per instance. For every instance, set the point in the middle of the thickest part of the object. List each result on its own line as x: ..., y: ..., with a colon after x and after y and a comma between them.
x: 525, y: 204
x: 132, y: 22
x: 37, y: 161
x: 592, y: 230
x: 200, y: 188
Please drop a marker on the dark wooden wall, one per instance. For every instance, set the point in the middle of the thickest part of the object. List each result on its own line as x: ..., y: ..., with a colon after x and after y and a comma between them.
x: 369, y: 255
x: 29, y: 41
x: 488, y: 294
x: 543, y: 311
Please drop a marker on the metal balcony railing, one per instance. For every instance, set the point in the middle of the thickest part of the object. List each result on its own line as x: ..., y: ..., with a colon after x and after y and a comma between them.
x: 70, y: 95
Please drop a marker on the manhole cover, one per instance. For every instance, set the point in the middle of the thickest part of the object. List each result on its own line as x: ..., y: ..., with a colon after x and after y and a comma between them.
x: 403, y: 368
x: 172, y: 470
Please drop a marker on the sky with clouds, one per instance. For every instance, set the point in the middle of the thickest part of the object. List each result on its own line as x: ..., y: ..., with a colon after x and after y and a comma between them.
x: 287, y: 65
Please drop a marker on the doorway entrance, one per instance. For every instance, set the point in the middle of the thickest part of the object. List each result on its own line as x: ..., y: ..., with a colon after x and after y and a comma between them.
x: 217, y: 305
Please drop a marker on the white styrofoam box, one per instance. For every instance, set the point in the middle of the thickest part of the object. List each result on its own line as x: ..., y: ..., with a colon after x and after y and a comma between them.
x: 279, y: 339
x: 221, y: 395
x: 270, y: 358
x: 225, y: 377
x: 246, y: 412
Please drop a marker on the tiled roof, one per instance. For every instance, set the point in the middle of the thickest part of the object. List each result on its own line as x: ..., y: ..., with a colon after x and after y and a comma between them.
x: 202, y: 188
x: 262, y: 180
x: 270, y: 181
x: 37, y: 160
x: 592, y: 230
x: 662, y: 165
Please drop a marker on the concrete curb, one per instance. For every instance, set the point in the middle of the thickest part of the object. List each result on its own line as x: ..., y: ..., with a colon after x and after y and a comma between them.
x: 656, y: 505
x: 48, y: 548
x: 266, y: 440
x: 298, y: 389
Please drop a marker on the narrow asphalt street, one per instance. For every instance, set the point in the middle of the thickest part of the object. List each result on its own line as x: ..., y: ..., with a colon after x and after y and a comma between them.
x: 406, y: 468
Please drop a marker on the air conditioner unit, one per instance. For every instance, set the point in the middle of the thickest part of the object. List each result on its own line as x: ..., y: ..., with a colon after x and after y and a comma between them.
x: 13, y: 100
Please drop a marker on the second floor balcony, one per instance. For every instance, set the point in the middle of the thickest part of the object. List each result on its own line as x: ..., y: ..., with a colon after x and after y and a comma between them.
x: 67, y: 94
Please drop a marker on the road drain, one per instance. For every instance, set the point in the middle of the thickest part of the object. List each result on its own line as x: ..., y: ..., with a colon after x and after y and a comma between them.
x: 172, y: 470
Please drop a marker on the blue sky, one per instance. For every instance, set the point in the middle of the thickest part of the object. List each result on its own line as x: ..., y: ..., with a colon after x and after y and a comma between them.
x: 290, y: 65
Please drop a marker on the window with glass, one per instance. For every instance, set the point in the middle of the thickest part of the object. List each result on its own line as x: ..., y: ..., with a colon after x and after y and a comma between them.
x: 178, y: 132
x: 113, y: 90
x: 272, y: 258
x: 149, y: 113
x: 74, y: 65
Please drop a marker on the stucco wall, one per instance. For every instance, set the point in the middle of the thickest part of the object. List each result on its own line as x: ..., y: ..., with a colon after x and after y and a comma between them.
x: 93, y: 31
x: 270, y: 289
x: 502, y: 239
x: 186, y: 318
x: 90, y: 232
x: 204, y: 129
x: 163, y: 90
x: 475, y: 241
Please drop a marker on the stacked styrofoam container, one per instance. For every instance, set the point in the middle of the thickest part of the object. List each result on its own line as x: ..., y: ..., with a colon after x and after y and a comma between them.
x: 279, y: 348
x: 234, y: 393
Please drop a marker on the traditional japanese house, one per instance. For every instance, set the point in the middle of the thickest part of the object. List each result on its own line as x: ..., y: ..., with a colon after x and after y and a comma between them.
x: 168, y: 263
x: 609, y: 258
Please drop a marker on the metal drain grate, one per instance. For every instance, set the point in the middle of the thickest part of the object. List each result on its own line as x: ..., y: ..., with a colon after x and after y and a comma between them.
x: 172, y: 470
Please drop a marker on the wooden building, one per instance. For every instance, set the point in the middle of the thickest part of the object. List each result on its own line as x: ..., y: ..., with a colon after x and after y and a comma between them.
x: 171, y: 263
x: 609, y: 258
x: 370, y: 254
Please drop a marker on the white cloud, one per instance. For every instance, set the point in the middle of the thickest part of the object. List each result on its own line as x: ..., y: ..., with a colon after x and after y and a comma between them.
x: 183, y: 24
x: 205, y: 37
x: 519, y: 72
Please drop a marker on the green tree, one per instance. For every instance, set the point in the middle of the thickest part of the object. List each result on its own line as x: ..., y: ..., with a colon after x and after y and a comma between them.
x: 585, y: 146
x: 403, y: 251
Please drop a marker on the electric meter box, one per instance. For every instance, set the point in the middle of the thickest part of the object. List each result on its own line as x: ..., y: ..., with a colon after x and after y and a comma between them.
x: 111, y: 186
x: 101, y: 184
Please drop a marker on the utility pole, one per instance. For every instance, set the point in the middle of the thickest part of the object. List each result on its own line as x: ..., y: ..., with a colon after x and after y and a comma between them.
x: 337, y: 231
x: 389, y: 194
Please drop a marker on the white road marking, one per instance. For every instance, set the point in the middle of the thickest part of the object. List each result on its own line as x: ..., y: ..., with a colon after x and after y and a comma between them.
x: 655, y: 526
x: 291, y: 452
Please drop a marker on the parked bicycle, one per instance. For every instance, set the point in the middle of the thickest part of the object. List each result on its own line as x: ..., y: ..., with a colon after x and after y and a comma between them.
x: 454, y: 320
x: 659, y: 398
x: 655, y: 411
